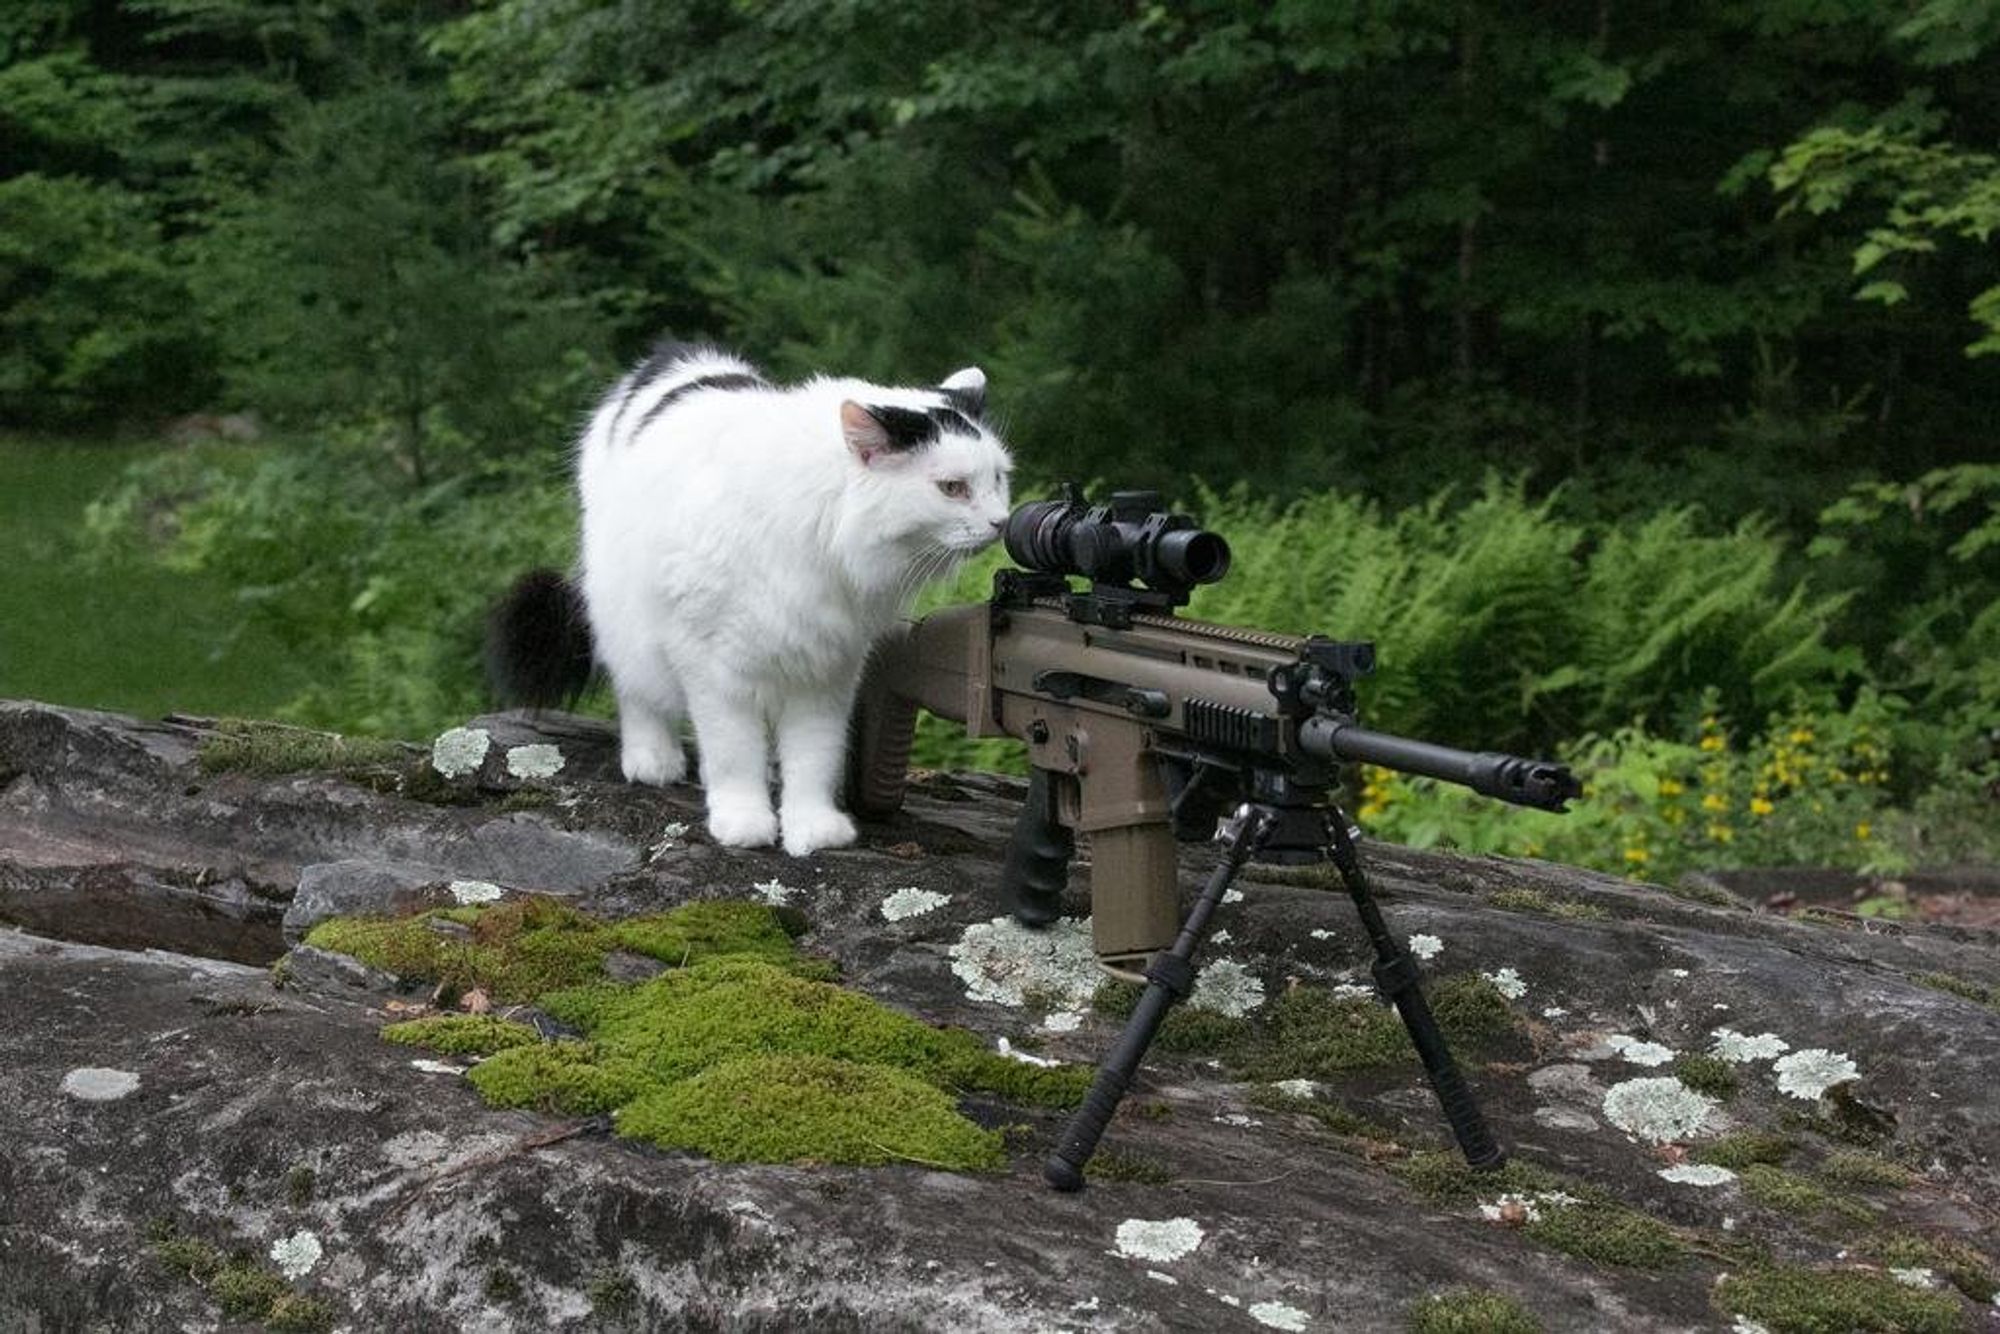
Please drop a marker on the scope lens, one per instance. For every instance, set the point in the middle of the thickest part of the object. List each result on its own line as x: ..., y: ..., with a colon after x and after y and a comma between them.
x: 1034, y: 535
x: 1193, y: 556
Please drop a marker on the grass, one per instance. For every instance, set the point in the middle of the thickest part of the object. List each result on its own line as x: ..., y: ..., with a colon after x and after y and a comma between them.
x: 120, y: 634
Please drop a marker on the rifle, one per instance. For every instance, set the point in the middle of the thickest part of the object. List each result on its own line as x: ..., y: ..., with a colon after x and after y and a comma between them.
x: 1144, y: 727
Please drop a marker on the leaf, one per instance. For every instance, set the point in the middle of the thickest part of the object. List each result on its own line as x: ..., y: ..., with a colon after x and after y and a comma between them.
x: 1887, y: 291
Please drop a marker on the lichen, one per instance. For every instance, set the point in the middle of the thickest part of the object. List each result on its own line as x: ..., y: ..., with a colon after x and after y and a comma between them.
x: 467, y: 892
x: 1425, y: 946
x: 1508, y: 983
x: 1637, y: 1051
x: 1227, y: 988
x: 1810, y: 1073
x: 460, y: 751
x: 1697, y: 1174
x: 243, y: 1288
x: 912, y: 902
x: 1004, y: 962
x: 1657, y: 1111
x: 462, y: 1034
x: 810, y: 1108
x: 296, y: 1255
x: 1796, y: 1300
x: 1739, y: 1048
x: 531, y: 763
x: 1470, y: 1311
x: 1161, y: 1240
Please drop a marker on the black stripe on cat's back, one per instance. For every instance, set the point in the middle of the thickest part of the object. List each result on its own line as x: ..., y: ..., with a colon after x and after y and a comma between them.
x: 701, y: 383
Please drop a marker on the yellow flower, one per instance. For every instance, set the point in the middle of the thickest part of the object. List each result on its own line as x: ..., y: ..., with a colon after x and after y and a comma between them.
x: 1759, y: 806
x: 1638, y: 856
x: 1801, y: 736
x: 1715, y: 801
x: 1669, y: 788
x: 1721, y: 833
x: 1711, y: 742
x: 1863, y: 830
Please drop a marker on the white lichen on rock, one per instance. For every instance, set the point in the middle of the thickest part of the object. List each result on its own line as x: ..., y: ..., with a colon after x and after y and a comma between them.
x: 1013, y: 1053
x: 1320, y: 933
x: 1697, y: 1174
x: 540, y: 760
x: 1639, y: 1052
x: 773, y: 892
x: 431, y: 1067
x: 1508, y: 983
x: 912, y: 902
x: 296, y: 1255
x: 1004, y: 962
x: 96, y: 1083
x: 1659, y: 1110
x: 1158, y: 1277
x: 1278, y: 1315
x: 1743, y: 1326
x: 1810, y: 1073
x: 1226, y: 987
x: 1915, y: 1278
x: 1740, y: 1048
x: 1237, y: 1119
x: 460, y: 751
x: 1296, y: 1088
x: 1160, y: 1240
x: 1425, y: 946
x: 475, y: 891
x: 1062, y: 1021
x: 1526, y: 1208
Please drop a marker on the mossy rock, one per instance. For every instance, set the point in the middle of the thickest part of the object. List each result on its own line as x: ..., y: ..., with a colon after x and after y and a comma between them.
x: 1470, y: 1311
x: 811, y: 1109
x: 690, y: 1019
x: 462, y: 1034
x: 272, y: 749
x: 560, y: 1078
x: 1745, y: 1148
x: 520, y: 949
x: 1789, y: 1300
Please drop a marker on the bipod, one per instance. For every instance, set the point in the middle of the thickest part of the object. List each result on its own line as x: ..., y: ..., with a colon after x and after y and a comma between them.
x: 1170, y: 977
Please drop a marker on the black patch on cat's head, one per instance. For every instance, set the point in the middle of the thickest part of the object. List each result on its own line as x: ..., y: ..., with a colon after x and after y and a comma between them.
x: 907, y: 429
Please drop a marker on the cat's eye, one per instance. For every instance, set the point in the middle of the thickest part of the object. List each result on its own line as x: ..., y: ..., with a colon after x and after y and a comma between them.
x: 957, y: 489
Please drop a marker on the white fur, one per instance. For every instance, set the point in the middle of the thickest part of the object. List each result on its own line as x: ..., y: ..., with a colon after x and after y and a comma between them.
x: 739, y: 560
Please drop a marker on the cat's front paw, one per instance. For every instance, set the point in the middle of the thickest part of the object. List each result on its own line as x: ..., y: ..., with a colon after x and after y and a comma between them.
x: 655, y: 766
x: 809, y: 831
x: 743, y: 826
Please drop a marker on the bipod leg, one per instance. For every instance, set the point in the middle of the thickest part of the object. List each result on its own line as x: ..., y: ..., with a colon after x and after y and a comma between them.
x: 1396, y: 977
x: 1169, y: 977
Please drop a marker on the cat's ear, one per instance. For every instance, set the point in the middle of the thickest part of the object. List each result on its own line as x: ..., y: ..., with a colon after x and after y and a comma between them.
x: 967, y: 390
x: 866, y: 436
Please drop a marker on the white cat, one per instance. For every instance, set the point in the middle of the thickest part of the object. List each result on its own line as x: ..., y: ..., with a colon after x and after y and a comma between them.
x: 744, y: 545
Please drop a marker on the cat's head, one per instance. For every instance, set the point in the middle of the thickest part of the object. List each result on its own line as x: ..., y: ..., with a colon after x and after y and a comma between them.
x: 936, y: 472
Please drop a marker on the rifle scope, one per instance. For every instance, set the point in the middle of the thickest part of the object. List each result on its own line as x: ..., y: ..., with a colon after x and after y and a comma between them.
x: 1128, y: 538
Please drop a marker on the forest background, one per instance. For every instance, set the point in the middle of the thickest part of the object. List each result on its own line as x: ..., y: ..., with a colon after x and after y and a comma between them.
x: 1627, y: 371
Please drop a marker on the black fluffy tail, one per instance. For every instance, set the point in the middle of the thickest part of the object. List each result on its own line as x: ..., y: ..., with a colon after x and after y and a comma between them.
x: 538, y: 642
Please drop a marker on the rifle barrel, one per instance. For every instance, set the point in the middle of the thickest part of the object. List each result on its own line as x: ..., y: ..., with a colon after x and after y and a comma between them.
x: 1523, y: 782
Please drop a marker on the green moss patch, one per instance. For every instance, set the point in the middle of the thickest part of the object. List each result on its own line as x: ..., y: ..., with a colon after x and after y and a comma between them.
x: 462, y: 1034
x: 1596, y: 1227
x: 243, y: 1288
x: 1706, y: 1074
x: 1961, y: 986
x: 1185, y: 1030
x: 1313, y: 1034
x: 1470, y: 1311
x: 740, y: 1049
x: 1800, y: 1196
x: 805, y: 1108
x: 1957, y: 1263
x: 1851, y: 1167
x: 1789, y: 1300
x: 1744, y: 1148
x: 1549, y: 905
x: 517, y: 950
x: 270, y: 749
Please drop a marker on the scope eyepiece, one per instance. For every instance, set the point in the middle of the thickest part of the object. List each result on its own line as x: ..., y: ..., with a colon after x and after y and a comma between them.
x: 1128, y: 539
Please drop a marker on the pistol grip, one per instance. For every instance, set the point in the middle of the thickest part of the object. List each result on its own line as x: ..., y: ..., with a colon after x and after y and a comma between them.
x: 1036, y: 871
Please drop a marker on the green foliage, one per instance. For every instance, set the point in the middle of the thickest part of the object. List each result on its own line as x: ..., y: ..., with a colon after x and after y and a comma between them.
x: 266, y: 749
x: 1470, y: 1311
x: 1746, y: 1147
x: 1706, y: 1074
x: 1796, y: 1300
